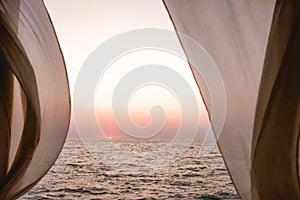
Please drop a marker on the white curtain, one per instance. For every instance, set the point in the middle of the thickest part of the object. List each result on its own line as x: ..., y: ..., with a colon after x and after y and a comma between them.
x: 254, y: 44
x: 34, y: 96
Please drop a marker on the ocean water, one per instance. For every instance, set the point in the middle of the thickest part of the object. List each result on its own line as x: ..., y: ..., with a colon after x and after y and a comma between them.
x: 79, y: 175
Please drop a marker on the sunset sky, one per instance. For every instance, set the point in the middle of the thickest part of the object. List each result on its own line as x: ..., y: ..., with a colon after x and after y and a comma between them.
x: 83, y: 26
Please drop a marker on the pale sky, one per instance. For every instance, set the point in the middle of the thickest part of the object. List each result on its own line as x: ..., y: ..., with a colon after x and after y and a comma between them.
x: 82, y: 26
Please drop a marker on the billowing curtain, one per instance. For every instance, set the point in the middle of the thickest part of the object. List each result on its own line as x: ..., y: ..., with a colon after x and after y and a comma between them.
x: 275, y: 146
x: 255, y: 45
x: 34, y: 96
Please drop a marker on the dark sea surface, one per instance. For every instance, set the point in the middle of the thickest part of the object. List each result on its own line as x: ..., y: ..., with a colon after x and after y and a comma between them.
x: 78, y: 175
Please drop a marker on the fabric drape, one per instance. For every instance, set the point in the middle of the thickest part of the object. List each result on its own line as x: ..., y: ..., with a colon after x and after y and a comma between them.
x: 34, y: 96
x: 254, y: 44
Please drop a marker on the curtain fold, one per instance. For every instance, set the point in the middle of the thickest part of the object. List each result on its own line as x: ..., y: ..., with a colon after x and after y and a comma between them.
x: 254, y: 43
x: 275, y: 146
x: 36, y: 110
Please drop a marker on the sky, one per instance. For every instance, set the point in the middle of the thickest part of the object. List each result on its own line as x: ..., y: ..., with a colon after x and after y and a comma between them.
x: 82, y: 26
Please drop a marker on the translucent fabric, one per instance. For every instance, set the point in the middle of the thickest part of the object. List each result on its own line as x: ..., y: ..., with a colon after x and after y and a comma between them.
x: 34, y: 96
x: 275, y: 146
x: 260, y: 137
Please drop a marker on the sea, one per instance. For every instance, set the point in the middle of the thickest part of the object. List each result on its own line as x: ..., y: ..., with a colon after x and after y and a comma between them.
x: 92, y: 170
